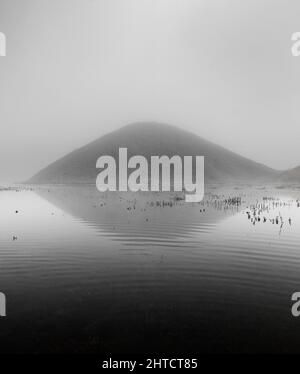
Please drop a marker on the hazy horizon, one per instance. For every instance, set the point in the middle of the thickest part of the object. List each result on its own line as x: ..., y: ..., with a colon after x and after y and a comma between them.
x: 76, y: 70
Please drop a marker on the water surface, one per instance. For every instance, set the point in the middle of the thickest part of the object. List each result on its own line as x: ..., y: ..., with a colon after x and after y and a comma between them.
x: 149, y: 273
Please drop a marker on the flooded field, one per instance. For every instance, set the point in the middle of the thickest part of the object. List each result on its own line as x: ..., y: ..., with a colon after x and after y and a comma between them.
x: 147, y: 272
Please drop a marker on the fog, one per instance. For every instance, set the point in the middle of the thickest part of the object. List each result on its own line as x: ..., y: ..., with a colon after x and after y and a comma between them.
x: 77, y: 69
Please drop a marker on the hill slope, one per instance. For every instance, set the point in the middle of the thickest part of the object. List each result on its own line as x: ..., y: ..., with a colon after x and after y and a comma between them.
x: 290, y: 176
x: 149, y: 139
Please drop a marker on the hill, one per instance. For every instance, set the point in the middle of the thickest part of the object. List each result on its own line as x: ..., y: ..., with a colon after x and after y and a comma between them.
x: 149, y: 139
x: 290, y: 176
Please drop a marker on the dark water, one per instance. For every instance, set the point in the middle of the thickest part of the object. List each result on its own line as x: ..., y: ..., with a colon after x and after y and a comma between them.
x: 149, y: 273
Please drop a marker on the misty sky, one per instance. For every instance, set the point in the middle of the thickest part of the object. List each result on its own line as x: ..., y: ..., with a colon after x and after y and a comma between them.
x: 76, y: 69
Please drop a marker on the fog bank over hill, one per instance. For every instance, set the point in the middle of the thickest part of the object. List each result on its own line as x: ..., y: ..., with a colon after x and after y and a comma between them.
x: 153, y: 139
x: 75, y: 70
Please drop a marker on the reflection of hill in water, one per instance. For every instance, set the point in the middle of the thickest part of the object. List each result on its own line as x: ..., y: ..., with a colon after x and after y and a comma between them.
x: 133, y: 215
